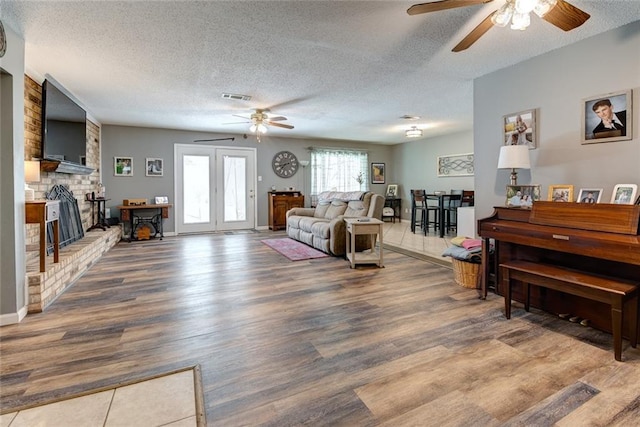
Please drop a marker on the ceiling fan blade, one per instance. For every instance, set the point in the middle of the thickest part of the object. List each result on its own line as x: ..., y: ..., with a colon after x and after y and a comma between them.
x: 566, y: 16
x: 242, y: 117
x: 435, y: 6
x: 475, y: 34
x: 280, y: 125
x: 276, y: 118
x: 236, y: 123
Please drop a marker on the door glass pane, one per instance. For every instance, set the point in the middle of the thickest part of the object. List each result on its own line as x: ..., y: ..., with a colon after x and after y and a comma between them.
x: 196, y: 189
x: 235, y: 184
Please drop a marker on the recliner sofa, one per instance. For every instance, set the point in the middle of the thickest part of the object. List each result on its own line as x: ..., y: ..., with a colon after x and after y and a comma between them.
x: 323, y: 227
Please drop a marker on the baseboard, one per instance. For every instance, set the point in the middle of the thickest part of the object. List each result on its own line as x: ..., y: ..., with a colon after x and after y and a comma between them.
x: 12, y: 318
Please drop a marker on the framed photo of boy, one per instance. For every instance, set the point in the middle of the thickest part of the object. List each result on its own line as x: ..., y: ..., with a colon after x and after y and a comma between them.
x: 522, y: 196
x: 560, y: 193
x: 154, y: 166
x: 377, y: 173
x: 520, y: 128
x: 589, y: 195
x: 123, y: 166
x: 607, y: 118
x: 624, y: 194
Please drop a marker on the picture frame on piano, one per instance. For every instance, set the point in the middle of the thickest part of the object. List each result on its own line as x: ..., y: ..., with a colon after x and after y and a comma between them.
x: 597, y: 113
x: 624, y: 194
x: 589, y: 195
x: 560, y: 193
x: 522, y: 196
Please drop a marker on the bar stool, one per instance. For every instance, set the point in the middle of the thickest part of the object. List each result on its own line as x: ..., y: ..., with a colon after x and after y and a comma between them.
x: 418, y: 209
x: 451, y: 210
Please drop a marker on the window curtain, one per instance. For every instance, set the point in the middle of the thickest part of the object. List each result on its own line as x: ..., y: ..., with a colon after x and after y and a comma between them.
x: 338, y: 170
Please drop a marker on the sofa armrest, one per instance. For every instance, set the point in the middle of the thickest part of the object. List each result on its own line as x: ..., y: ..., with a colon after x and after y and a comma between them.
x: 301, y: 212
x: 338, y: 233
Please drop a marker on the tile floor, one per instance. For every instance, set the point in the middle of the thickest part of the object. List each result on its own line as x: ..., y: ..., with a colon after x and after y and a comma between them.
x: 398, y: 236
x: 164, y: 401
x: 170, y: 400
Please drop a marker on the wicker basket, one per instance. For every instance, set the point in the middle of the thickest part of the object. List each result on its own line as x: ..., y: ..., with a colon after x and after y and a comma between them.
x: 466, y: 274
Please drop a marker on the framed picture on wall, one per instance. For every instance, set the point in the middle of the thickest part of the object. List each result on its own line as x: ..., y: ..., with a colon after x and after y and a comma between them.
x: 589, y: 195
x: 560, y: 193
x: 154, y: 166
x: 520, y: 128
x: 456, y: 165
x: 607, y: 118
x: 522, y: 196
x: 377, y: 173
x: 123, y: 166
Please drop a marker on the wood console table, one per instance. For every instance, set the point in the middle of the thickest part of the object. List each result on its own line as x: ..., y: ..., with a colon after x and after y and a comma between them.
x: 127, y: 214
x: 44, y: 212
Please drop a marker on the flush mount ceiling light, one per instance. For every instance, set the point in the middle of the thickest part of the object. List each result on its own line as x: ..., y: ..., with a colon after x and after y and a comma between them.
x: 414, y: 132
x: 517, y: 11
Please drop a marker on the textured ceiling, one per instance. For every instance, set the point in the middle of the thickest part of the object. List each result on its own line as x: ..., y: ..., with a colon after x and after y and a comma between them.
x: 336, y: 69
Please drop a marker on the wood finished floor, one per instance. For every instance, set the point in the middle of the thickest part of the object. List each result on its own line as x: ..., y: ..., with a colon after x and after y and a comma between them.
x: 314, y: 342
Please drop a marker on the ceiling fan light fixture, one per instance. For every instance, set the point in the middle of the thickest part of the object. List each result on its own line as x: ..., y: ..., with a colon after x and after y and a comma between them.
x: 544, y: 6
x: 253, y: 128
x: 520, y: 21
x: 262, y: 128
x: 414, y: 132
x: 525, y: 6
x: 503, y: 15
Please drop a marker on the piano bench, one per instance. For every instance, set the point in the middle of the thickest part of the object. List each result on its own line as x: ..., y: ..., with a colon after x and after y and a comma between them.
x: 615, y: 292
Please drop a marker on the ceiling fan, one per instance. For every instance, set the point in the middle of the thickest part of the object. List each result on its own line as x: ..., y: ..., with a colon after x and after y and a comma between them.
x: 557, y: 12
x: 261, y: 118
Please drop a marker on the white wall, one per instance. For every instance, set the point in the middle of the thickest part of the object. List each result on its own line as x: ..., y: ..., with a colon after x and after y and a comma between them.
x: 556, y: 83
x: 12, y: 228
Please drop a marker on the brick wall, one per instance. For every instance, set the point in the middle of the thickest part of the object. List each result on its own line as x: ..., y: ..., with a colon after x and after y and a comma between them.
x: 78, y: 184
x: 76, y: 258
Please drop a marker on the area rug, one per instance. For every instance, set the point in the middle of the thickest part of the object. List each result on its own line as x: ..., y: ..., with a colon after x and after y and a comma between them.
x: 293, y: 250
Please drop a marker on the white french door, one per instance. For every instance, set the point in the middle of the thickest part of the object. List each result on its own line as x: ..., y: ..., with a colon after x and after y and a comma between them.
x: 215, y: 188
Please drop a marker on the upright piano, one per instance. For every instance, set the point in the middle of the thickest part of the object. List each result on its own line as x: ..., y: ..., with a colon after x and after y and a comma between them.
x: 601, y: 239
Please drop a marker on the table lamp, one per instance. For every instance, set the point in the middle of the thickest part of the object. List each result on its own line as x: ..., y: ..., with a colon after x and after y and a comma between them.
x: 31, y: 174
x: 514, y: 157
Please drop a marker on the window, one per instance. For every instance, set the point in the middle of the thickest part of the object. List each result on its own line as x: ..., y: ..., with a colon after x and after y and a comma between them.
x: 338, y: 170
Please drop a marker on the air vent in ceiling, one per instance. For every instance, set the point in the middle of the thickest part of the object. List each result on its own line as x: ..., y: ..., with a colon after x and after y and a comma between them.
x: 236, y: 96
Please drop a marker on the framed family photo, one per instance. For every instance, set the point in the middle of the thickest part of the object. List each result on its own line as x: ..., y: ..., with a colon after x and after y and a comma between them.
x: 560, y: 193
x: 123, y: 166
x: 377, y: 173
x: 392, y: 190
x: 520, y: 128
x: 607, y: 118
x: 154, y: 166
x: 589, y: 195
x: 522, y: 196
x: 624, y: 194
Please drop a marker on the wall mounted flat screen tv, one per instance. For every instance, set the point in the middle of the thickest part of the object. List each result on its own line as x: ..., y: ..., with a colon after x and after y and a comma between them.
x: 64, y: 127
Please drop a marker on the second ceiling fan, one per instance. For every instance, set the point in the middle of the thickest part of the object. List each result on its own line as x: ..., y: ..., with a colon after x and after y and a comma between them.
x: 261, y: 118
x: 557, y: 12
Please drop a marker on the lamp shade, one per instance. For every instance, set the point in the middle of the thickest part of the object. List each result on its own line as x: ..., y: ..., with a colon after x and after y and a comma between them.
x: 32, y: 171
x: 514, y: 157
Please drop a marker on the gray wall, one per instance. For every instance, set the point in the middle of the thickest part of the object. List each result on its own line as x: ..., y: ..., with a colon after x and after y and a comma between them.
x: 12, y: 229
x: 556, y: 83
x: 140, y: 143
x: 416, y: 165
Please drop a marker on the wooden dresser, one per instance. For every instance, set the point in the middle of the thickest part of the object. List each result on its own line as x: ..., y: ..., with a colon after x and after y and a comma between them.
x: 279, y: 203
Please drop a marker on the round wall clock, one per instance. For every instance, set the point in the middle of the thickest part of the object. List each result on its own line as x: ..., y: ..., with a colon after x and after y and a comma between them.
x: 285, y: 164
x: 3, y: 40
